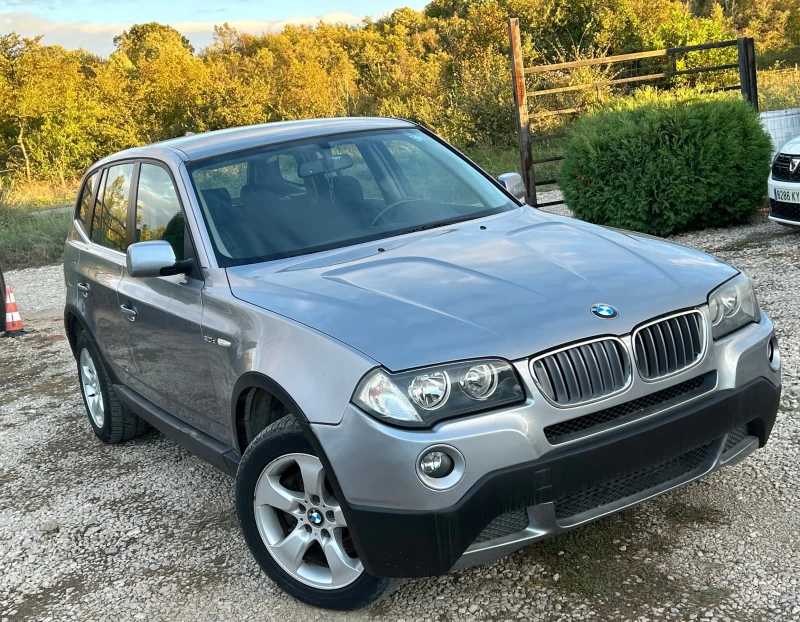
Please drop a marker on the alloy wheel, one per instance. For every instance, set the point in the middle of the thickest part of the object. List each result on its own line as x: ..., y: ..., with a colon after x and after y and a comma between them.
x: 90, y: 384
x: 302, y: 525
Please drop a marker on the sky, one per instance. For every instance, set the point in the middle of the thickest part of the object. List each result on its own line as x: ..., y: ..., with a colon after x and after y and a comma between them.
x: 92, y: 24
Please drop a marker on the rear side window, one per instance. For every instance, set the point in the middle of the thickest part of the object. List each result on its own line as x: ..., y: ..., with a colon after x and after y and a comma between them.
x: 158, y: 210
x: 111, y: 210
x: 85, y: 201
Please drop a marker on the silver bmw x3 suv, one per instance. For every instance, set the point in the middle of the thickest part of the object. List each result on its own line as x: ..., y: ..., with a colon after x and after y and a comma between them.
x: 406, y: 369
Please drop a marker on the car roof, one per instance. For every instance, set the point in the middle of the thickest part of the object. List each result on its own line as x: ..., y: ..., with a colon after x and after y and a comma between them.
x: 218, y: 142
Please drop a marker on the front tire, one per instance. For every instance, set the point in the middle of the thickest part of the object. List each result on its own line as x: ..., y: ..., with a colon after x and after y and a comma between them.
x: 294, y: 525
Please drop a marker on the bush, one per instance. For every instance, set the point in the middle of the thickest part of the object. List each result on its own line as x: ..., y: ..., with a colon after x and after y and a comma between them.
x: 671, y: 165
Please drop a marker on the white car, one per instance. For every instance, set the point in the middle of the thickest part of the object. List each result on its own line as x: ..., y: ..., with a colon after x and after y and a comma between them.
x: 784, y: 185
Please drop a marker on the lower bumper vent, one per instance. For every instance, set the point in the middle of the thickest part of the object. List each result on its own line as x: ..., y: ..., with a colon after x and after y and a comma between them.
x: 504, y: 525
x: 735, y: 437
x: 632, y: 484
x: 787, y: 211
x: 572, y: 428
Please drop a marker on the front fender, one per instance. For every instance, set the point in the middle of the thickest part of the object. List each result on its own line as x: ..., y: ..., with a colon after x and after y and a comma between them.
x: 312, y: 373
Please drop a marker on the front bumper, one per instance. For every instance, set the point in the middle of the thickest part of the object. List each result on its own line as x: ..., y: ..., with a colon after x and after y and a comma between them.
x: 401, y: 528
x: 781, y: 212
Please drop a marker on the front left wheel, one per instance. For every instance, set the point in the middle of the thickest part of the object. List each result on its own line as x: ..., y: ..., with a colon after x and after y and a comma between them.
x: 294, y: 525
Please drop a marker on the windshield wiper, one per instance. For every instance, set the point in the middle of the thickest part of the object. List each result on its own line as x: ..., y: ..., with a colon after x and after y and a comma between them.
x: 432, y: 225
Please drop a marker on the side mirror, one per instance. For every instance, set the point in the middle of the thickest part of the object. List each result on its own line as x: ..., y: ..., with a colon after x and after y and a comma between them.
x: 155, y: 258
x: 514, y: 184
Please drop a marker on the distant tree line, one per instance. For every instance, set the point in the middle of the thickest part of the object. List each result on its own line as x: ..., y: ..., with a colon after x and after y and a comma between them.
x: 445, y: 66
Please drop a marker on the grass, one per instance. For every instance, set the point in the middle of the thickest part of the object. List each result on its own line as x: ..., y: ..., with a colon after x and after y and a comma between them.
x: 29, y: 238
x: 497, y: 160
x: 779, y: 89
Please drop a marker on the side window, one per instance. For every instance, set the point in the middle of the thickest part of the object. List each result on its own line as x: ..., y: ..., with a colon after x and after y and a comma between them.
x: 288, y: 168
x: 85, y: 202
x: 158, y: 210
x: 111, y: 210
x: 359, y: 170
x: 428, y: 178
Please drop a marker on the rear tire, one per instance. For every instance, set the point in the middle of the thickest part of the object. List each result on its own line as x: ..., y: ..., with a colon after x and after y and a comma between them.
x: 293, y: 524
x: 110, y: 420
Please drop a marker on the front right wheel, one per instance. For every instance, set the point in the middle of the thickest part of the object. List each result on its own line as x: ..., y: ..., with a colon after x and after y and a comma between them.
x: 294, y: 525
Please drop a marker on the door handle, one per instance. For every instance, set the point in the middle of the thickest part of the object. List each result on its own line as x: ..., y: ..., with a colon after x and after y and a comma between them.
x: 84, y: 287
x: 130, y: 311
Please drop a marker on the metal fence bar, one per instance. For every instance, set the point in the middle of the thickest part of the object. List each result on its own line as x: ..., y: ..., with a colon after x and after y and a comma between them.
x: 521, y: 105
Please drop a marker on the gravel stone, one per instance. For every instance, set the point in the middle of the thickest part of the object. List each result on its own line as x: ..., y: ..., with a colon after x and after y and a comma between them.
x: 178, y: 555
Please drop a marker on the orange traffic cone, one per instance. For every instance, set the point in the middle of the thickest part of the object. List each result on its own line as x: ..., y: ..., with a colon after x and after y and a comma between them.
x: 14, y: 326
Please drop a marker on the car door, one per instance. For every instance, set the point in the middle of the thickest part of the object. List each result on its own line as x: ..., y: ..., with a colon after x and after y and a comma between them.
x: 100, y: 265
x: 164, y: 313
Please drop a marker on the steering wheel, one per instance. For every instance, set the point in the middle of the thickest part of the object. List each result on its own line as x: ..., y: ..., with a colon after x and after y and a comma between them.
x: 391, y: 206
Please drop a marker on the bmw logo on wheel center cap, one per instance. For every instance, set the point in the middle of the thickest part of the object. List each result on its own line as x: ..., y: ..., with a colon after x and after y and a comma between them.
x: 315, y: 517
x: 604, y: 311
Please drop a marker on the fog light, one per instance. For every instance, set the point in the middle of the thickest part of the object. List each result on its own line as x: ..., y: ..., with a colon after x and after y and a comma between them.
x: 436, y: 464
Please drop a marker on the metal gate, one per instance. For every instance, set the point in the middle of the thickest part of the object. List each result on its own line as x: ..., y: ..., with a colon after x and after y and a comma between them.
x: 746, y: 66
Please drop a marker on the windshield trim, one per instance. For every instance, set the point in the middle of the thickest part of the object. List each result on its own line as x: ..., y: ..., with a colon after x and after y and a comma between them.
x: 229, y: 262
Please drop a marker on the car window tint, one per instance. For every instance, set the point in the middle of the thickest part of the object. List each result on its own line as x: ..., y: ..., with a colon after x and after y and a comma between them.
x: 111, y: 211
x: 158, y: 210
x: 428, y: 178
x: 288, y: 169
x: 359, y: 170
x: 85, y: 201
x: 232, y: 178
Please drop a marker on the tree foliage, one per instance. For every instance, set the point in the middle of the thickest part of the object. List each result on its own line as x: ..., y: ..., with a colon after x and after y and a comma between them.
x: 446, y: 67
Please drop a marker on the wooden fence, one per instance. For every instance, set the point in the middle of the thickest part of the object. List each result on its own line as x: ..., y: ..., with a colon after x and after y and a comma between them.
x: 745, y: 65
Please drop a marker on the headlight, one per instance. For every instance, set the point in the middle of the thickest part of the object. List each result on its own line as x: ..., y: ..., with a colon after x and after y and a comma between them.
x: 732, y: 305
x: 421, y: 397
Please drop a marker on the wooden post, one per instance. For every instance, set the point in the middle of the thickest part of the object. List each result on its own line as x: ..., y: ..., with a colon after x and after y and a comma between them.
x: 521, y: 106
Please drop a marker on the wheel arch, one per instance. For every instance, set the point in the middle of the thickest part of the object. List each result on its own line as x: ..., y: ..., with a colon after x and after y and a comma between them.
x: 73, y: 325
x: 244, y: 386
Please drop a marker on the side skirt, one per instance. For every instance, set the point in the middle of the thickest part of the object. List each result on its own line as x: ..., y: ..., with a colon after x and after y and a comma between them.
x: 199, y: 443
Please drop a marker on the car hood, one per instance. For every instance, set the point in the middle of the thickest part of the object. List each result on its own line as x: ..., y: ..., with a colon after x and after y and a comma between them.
x: 792, y: 146
x: 505, y: 286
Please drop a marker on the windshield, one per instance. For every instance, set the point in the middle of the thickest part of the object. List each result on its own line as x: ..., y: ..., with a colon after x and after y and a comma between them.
x: 316, y: 194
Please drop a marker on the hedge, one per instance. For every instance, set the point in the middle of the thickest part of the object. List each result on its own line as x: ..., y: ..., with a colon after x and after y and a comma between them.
x: 668, y: 166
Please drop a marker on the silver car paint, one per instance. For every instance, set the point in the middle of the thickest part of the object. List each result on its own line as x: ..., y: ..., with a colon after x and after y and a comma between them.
x: 316, y: 324
x: 506, y: 286
x: 499, y: 439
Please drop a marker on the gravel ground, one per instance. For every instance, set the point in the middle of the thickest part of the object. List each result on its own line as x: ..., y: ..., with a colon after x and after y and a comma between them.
x: 146, y: 531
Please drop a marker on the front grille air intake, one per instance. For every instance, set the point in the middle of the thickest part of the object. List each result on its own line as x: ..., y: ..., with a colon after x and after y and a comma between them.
x: 584, y: 372
x: 780, y: 170
x: 632, y: 484
x: 784, y: 210
x: 604, y: 419
x: 735, y: 437
x: 504, y: 525
x: 670, y: 345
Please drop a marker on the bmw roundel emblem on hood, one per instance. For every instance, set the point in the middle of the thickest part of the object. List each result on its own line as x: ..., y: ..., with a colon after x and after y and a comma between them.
x: 604, y: 311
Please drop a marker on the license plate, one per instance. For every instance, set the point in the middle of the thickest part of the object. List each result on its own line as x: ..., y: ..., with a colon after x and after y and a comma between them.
x: 787, y: 196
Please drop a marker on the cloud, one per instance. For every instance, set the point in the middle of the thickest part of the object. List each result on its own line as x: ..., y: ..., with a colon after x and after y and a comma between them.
x: 97, y: 38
